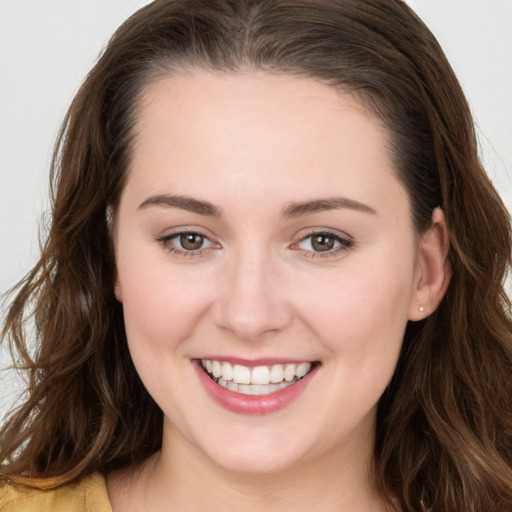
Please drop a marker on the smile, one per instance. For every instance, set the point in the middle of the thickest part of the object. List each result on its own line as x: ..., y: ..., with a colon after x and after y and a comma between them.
x: 255, y: 381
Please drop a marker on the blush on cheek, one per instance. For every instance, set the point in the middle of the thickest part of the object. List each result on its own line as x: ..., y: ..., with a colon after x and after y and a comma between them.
x: 161, y: 308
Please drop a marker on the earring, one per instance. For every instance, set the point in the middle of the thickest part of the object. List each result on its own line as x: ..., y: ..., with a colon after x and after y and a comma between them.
x: 422, y: 309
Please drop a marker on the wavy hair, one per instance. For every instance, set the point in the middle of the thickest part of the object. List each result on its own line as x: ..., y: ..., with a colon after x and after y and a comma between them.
x: 444, y: 424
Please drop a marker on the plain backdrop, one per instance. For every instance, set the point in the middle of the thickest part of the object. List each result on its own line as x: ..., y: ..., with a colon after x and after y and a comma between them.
x: 47, y: 47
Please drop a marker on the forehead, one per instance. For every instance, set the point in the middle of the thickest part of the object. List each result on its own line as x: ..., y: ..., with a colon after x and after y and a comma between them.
x: 241, y: 98
x: 254, y: 133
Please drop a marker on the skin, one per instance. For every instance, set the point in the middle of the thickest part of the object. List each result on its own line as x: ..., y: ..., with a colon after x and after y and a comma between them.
x: 252, y: 146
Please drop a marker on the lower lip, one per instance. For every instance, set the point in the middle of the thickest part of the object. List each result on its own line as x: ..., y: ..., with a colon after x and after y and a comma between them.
x: 252, y: 405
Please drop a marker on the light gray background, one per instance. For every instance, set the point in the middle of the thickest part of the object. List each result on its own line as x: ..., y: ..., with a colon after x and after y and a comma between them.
x: 47, y: 47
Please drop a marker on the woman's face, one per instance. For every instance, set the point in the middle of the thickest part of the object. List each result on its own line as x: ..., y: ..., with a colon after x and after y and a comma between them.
x: 263, y: 234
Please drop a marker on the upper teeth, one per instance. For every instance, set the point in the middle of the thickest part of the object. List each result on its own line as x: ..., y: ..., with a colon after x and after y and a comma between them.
x: 257, y: 375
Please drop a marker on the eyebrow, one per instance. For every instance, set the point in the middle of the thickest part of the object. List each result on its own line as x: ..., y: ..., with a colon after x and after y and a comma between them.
x: 184, y: 202
x: 292, y: 210
x: 332, y: 203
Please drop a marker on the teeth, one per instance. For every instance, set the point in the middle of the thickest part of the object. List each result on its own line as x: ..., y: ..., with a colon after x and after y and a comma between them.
x: 260, y: 375
x: 258, y: 380
x: 216, y: 369
x: 289, y: 372
x: 245, y: 389
x: 227, y: 371
x: 253, y: 389
x: 232, y: 386
x: 276, y: 373
x: 241, y: 374
x: 302, y: 370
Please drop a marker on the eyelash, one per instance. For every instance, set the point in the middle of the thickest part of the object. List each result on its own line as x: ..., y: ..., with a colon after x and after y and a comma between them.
x: 167, y: 243
x: 344, y: 244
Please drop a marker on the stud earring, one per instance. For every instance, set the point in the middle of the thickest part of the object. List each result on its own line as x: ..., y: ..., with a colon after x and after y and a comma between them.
x: 422, y: 309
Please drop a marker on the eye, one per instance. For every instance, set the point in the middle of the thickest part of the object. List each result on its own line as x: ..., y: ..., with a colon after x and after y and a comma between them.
x: 324, y: 242
x: 190, y: 241
x: 186, y: 243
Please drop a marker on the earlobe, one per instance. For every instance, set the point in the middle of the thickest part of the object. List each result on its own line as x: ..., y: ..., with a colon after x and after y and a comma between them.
x: 434, y: 271
x: 117, y: 285
x: 117, y: 289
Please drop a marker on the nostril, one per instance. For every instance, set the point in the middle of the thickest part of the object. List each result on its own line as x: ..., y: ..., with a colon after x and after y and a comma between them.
x: 252, y: 318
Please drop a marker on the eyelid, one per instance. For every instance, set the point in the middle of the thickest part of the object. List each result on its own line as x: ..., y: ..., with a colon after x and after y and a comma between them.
x: 345, y: 241
x: 167, y: 242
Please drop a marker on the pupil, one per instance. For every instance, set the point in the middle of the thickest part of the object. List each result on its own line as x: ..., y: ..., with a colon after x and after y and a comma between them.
x: 322, y: 243
x: 191, y: 241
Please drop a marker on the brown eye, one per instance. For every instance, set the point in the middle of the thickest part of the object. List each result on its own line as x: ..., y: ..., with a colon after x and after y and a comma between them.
x: 325, y: 243
x: 322, y: 242
x: 187, y: 243
x: 191, y: 241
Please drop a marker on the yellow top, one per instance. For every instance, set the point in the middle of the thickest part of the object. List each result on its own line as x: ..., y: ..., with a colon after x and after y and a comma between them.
x: 88, y: 494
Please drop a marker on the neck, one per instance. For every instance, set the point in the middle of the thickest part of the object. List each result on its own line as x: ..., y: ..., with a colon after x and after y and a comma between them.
x: 181, y: 478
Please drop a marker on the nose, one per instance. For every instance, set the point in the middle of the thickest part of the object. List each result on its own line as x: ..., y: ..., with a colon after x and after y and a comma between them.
x: 252, y: 304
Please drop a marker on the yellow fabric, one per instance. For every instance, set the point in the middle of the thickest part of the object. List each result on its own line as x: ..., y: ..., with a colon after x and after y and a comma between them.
x: 89, y: 494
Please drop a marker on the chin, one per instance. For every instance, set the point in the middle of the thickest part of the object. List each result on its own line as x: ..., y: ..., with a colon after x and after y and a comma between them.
x: 255, y: 462
x: 262, y: 454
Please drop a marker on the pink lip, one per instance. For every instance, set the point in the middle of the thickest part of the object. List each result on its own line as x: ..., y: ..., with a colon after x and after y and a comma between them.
x: 252, y: 405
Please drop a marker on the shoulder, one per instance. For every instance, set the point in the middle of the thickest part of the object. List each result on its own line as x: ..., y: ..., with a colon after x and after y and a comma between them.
x: 88, y: 494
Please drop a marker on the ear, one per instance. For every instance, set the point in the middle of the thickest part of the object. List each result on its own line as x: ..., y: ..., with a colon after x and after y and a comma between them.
x: 433, y: 269
x: 117, y: 287
x: 109, y: 217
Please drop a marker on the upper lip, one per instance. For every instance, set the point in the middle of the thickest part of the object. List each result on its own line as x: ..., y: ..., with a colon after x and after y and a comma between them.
x: 266, y: 361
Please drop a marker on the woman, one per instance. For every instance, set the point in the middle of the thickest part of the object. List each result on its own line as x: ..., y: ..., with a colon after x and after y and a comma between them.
x: 274, y: 275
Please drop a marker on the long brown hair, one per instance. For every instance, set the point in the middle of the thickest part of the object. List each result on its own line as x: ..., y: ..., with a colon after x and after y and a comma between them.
x: 444, y: 425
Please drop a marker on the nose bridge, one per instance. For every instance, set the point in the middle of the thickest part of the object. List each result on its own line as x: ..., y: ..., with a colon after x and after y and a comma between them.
x: 252, y: 303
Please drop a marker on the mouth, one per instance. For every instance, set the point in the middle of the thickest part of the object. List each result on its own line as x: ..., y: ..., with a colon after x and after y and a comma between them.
x: 256, y: 380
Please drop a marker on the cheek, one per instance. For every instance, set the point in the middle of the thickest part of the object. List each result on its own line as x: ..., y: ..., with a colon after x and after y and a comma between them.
x: 162, y: 306
x: 161, y: 302
x: 361, y: 311
x: 360, y: 319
